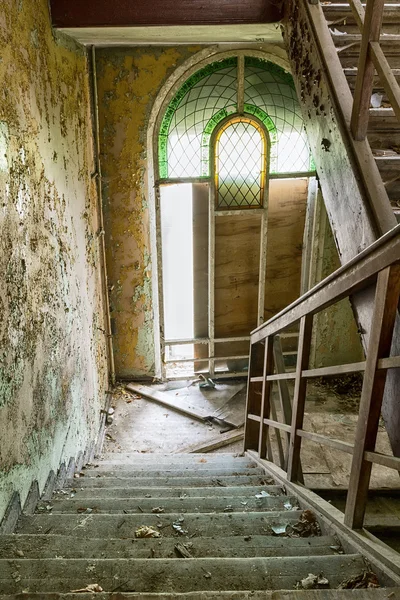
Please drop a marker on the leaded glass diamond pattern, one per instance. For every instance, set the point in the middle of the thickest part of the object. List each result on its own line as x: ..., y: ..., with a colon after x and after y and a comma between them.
x: 213, y: 93
x: 271, y: 89
x: 240, y: 165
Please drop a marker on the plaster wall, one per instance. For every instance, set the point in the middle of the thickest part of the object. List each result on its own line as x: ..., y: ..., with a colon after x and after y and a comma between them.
x: 129, y: 80
x: 53, y: 369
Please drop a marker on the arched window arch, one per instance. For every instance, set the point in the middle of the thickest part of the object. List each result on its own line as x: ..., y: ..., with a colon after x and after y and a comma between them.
x: 216, y: 91
x: 240, y: 163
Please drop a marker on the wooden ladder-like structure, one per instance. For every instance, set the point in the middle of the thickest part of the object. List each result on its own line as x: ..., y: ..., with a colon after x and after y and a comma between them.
x: 378, y: 265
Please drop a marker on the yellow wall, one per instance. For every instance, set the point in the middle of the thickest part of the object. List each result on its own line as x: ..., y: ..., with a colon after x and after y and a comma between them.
x: 129, y: 80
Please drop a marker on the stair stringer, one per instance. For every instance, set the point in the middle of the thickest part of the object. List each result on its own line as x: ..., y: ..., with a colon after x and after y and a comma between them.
x: 355, y: 198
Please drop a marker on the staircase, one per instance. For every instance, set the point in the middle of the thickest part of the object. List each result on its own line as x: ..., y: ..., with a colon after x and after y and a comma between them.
x: 218, y: 526
x: 383, y: 132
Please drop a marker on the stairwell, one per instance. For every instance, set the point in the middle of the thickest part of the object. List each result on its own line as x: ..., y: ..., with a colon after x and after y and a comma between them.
x: 217, y: 526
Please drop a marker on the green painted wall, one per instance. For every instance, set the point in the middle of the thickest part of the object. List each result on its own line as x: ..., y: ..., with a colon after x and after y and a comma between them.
x: 53, y: 371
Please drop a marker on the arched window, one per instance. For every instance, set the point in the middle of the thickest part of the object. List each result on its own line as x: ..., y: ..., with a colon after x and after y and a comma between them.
x: 231, y: 128
x: 217, y: 91
x: 240, y: 164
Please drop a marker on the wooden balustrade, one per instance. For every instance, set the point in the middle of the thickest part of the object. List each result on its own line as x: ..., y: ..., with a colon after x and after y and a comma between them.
x: 378, y: 265
x: 371, y: 58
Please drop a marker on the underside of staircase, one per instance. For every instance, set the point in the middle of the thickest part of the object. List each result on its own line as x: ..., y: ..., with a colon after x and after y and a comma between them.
x: 190, y: 526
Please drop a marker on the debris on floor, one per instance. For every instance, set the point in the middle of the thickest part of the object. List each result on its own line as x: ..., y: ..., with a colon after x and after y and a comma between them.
x: 307, y: 526
x: 157, y: 510
x: 312, y: 582
x: 178, y: 527
x: 145, y: 531
x: 364, y: 580
x: 92, y: 587
x: 183, y: 550
x: 206, y: 383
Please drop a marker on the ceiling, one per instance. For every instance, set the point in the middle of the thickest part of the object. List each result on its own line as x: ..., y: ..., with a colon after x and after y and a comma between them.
x: 112, y: 14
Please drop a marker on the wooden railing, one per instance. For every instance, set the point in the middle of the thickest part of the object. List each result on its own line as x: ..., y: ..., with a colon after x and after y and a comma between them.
x: 377, y: 267
x: 369, y: 22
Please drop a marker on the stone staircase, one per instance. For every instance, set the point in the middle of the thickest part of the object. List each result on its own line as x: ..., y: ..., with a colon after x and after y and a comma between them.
x: 384, y: 128
x: 218, y: 526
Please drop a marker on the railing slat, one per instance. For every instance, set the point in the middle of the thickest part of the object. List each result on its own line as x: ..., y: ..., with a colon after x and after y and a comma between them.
x: 265, y: 397
x: 383, y: 319
x: 366, y: 70
x: 299, y: 397
x: 326, y: 441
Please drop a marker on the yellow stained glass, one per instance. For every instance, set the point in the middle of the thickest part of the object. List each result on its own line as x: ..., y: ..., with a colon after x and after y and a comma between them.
x: 240, y: 164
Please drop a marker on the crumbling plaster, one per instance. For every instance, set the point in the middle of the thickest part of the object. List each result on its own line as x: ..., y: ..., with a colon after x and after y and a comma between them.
x: 53, y: 370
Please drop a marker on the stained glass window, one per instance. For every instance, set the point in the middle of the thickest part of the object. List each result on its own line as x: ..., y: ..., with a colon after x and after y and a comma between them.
x: 240, y: 163
x: 210, y: 95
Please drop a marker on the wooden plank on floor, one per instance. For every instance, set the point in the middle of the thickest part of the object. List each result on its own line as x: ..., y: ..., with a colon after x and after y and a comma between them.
x: 164, y: 400
x: 225, y: 439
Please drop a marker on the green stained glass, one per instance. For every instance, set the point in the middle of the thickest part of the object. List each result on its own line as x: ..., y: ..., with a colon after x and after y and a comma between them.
x: 210, y: 95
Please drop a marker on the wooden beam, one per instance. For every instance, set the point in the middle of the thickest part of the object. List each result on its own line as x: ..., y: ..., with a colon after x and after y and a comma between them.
x: 387, y: 77
x: 164, y: 400
x: 299, y: 397
x: 254, y: 391
x: 124, y: 13
x: 366, y: 69
x: 384, y: 315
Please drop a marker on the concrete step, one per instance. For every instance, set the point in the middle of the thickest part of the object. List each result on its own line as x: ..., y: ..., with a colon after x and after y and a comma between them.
x: 124, y: 526
x: 243, y: 503
x: 137, y: 493
x: 170, y: 481
x: 172, y: 459
x: 174, y: 575
x: 363, y: 594
x: 190, y: 471
x: 50, y: 546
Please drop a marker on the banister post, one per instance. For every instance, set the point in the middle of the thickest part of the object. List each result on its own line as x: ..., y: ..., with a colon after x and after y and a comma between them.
x: 299, y: 396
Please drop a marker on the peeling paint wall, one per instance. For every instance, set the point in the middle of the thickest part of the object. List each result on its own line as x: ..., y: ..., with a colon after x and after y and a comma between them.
x: 53, y: 371
x: 129, y: 80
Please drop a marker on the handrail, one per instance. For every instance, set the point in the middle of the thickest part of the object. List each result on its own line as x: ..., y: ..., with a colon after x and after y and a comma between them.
x: 381, y: 263
x: 367, y: 253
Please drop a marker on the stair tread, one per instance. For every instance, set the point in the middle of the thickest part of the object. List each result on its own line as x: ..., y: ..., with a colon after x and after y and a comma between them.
x: 146, y: 505
x: 213, y: 491
x: 176, y: 574
x: 102, y: 525
x: 175, y: 481
x: 363, y: 594
x: 49, y: 546
x: 128, y: 471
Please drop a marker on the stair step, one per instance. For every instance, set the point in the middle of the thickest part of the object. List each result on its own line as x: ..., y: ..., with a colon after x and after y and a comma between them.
x: 368, y: 594
x: 50, y: 546
x: 172, y: 481
x: 172, y: 459
x: 172, y: 492
x: 242, y: 503
x: 128, y: 471
x: 174, y: 575
x: 124, y: 526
